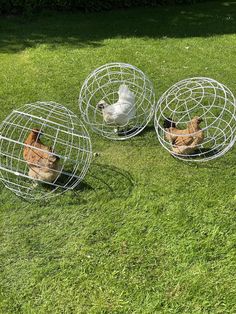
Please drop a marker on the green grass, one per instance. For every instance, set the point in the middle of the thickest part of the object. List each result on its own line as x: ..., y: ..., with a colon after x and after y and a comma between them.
x: 146, y: 233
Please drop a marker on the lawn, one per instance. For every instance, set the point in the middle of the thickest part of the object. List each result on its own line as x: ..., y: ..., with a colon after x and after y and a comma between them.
x: 145, y: 233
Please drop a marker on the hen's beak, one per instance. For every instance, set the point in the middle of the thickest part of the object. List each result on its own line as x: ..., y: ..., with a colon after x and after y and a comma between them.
x: 199, y: 120
x: 38, y: 132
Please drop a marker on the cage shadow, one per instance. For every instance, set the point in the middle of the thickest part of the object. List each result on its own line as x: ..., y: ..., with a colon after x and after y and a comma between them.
x: 63, y: 180
x: 220, y: 163
x: 101, y: 179
x: 78, y: 30
x: 112, y: 181
x: 140, y: 130
x: 204, y: 152
x: 150, y: 128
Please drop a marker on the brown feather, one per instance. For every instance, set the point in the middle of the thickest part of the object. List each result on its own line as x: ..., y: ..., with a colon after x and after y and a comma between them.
x: 42, y: 164
x: 186, y: 141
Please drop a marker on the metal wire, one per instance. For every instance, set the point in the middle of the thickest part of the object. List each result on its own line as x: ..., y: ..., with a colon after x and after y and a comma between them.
x: 207, y: 99
x: 103, y: 83
x: 62, y: 130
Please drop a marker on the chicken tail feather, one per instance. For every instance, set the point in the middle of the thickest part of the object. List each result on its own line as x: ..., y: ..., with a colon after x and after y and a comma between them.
x: 124, y: 91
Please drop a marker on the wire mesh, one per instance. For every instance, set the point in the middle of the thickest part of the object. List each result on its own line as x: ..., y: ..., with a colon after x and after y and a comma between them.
x: 206, y: 100
x: 103, y: 84
x: 63, y: 139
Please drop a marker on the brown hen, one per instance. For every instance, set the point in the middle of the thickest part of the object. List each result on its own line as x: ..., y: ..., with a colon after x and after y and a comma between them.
x: 43, y: 165
x: 186, y: 141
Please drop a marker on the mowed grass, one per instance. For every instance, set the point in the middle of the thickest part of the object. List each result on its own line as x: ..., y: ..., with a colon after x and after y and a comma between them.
x: 145, y: 233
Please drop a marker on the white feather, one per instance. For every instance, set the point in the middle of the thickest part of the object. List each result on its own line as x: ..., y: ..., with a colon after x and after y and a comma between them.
x: 121, y: 112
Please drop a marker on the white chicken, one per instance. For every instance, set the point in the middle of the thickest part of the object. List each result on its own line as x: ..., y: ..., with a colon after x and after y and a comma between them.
x: 121, y: 112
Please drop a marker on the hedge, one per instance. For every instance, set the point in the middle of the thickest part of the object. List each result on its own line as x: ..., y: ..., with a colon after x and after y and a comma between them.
x: 26, y: 6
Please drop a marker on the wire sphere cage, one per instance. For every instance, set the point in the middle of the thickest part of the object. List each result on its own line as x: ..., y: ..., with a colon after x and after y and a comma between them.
x: 45, y: 150
x: 117, y: 101
x: 195, y: 119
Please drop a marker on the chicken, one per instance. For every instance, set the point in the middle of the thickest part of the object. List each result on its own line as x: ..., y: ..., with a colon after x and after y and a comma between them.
x: 186, y: 141
x: 121, y: 112
x: 43, y: 165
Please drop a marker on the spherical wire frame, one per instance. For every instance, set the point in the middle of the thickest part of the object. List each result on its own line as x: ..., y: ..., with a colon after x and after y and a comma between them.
x: 103, y: 83
x: 62, y: 131
x: 208, y: 99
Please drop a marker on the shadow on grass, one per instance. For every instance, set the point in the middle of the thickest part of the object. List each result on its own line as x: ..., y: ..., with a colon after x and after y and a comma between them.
x: 199, y: 154
x: 150, y: 128
x: 80, y: 30
x: 108, y: 179
x: 104, y: 181
x: 111, y: 180
x: 220, y: 163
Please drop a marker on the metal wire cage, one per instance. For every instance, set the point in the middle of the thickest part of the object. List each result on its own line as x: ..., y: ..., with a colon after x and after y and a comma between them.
x: 200, y: 99
x: 104, y: 84
x: 65, y: 141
